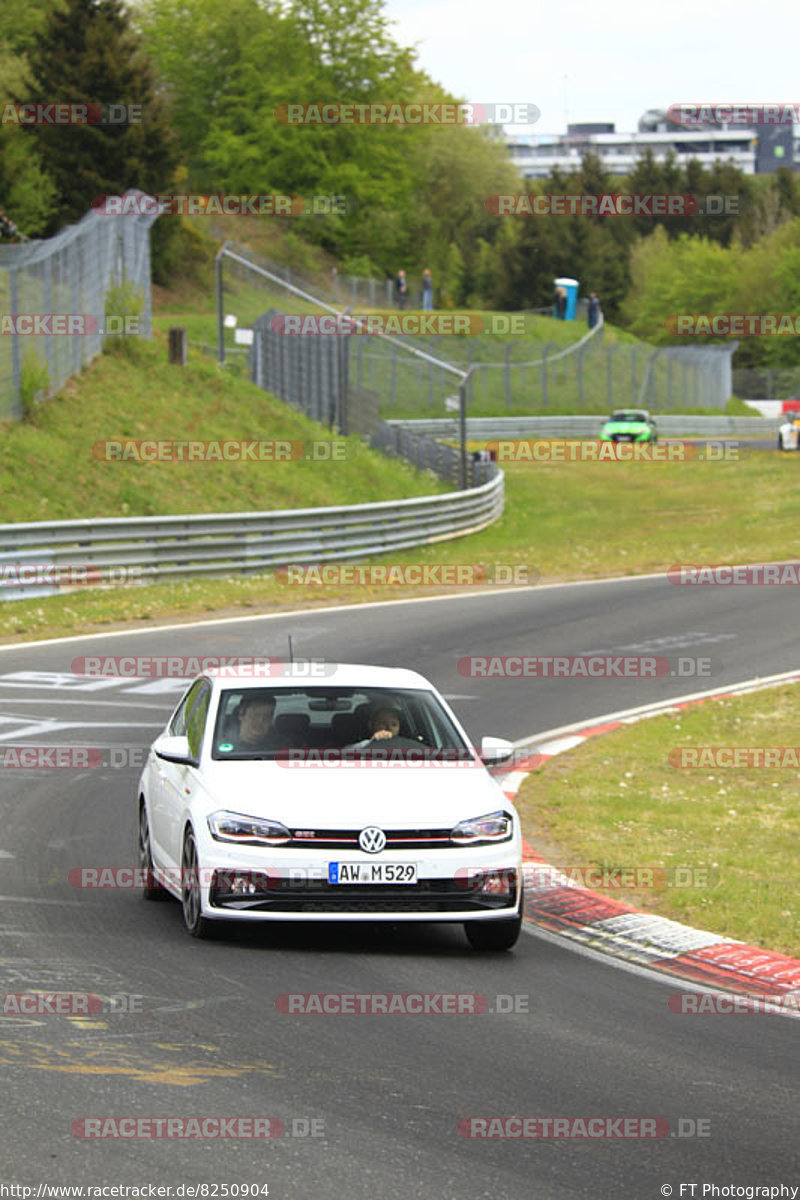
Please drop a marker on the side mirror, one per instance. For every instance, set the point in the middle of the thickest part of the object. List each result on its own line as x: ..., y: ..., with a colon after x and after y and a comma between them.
x: 495, y: 751
x: 174, y: 749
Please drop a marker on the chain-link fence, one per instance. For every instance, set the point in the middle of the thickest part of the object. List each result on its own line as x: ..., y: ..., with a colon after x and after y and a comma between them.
x: 767, y: 383
x: 323, y: 374
x: 54, y: 297
x: 593, y: 375
x: 320, y: 375
x: 412, y: 377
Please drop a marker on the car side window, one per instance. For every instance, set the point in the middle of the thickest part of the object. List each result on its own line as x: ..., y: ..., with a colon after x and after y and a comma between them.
x: 196, y: 720
x: 177, y: 726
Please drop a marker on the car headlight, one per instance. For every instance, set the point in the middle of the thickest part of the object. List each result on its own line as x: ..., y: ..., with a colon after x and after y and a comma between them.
x: 248, y: 831
x: 494, y: 827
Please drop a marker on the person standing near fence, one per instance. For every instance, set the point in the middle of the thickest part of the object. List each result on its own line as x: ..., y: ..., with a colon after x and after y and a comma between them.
x: 593, y: 310
x: 7, y: 227
x: 401, y: 289
x: 427, y: 291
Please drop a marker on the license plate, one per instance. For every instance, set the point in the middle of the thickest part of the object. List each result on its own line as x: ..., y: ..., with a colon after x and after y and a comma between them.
x: 343, y: 872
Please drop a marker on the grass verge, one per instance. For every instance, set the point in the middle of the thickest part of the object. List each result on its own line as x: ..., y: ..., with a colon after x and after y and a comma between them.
x: 50, y: 468
x: 616, y: 801
x: 569, y: 520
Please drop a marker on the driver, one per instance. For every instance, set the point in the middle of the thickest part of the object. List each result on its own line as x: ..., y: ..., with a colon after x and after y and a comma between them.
x: 255, y: 715
x: 384, y: 723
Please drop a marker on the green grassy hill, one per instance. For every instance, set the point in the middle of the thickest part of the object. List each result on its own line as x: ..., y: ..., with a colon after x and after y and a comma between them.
x: 50, y: 468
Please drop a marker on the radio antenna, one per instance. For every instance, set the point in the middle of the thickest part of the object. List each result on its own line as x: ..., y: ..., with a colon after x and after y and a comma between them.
x: 291, y: 652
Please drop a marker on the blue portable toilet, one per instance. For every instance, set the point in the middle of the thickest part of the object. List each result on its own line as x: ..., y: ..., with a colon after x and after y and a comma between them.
x: 570, y: 286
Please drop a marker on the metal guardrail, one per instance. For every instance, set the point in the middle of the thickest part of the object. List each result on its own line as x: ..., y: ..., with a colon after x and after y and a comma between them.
x: 481, y: 428
x: 47, y: 557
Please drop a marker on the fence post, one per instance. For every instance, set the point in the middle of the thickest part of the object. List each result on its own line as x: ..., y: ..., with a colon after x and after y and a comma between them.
x: 462, y: 431
x: 580, y: 376
x: 220, y: 319
x: 544, y: 374
x: 342, y: 392
x: 633, y: 374
x: 610, y: 376
x: 507, y: 372
x: 176, y: 342
x: 48, y: 305
x: 16, y: 366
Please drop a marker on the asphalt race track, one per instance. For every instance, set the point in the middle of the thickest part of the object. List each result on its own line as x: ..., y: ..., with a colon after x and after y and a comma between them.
x: 587, y: 1039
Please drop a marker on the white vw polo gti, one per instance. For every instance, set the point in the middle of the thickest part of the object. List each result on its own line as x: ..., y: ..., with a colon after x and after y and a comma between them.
x: 328, y: 792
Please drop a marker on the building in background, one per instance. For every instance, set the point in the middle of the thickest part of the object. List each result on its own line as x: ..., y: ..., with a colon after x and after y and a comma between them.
x: 757, y: 149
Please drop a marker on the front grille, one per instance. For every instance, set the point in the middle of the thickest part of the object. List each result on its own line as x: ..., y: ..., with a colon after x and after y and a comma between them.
x: 429, y: 895
x: 396, y: 839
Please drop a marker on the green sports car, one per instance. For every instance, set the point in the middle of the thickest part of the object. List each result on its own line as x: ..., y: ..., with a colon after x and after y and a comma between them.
x: 629, y: 425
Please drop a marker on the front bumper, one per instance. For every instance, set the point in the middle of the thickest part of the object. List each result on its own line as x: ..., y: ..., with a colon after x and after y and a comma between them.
x: 458, y: 884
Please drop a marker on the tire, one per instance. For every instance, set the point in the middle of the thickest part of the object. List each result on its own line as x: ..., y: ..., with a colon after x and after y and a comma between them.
x: 152, y: 889
x: 493, y: 935
x: 196, y: 924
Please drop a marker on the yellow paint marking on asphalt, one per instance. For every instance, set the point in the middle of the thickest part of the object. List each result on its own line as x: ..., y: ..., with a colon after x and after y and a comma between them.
x: 186, y: 1046
x: 85, y: 1023
x: 111, y: 1058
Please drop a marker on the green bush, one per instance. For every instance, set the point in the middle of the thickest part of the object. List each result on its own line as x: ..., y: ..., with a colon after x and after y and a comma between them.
x: 34, y: 382
x: 124, y: 307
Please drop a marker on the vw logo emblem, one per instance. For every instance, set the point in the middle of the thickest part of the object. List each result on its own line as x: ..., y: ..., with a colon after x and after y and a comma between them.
x: 372, y: 840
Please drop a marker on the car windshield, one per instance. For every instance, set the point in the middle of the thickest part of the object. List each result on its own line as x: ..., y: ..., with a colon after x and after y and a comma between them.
x: 263, y: 722
x: 628, y: 414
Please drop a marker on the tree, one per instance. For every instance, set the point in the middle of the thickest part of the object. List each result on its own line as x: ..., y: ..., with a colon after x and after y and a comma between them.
x: 87, y: 53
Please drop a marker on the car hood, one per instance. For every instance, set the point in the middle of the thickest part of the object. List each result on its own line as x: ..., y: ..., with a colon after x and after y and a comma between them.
x: 625, y: 427
x: 339, y: 797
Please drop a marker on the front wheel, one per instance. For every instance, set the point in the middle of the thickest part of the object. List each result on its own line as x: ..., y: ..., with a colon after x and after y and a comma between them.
x: 196, y: 924
x: 151, y: 888
x: 493, y: 935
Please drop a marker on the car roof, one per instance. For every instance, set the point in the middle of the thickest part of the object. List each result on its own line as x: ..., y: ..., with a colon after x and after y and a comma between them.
x: 326, y: 675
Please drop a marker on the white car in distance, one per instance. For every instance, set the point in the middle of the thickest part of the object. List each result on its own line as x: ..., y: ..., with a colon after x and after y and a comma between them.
x: 328, y: 792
